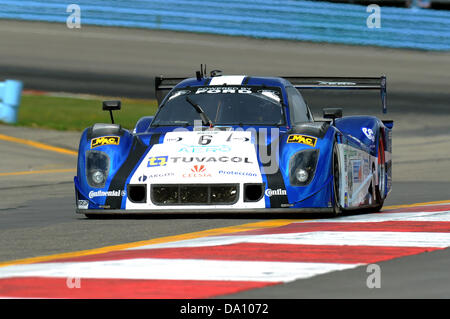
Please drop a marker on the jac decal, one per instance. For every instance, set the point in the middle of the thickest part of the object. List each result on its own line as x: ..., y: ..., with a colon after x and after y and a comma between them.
x: 302, y: 139
x: 105, y: 140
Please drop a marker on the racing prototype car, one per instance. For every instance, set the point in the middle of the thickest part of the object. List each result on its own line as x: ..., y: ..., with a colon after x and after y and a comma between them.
x: 235, y: 143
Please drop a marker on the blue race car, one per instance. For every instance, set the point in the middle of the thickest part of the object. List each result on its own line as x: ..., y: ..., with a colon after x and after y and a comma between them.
x: 232, y: 143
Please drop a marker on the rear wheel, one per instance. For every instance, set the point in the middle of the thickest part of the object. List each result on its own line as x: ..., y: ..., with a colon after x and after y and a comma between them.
x: 379, y: 188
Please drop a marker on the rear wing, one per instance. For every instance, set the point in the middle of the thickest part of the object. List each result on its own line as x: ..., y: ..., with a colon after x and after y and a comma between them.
x: 164, y: 85
x: 342, y: 83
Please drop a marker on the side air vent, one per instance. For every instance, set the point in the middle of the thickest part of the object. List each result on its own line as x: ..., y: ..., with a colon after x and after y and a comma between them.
x: 137, y: 193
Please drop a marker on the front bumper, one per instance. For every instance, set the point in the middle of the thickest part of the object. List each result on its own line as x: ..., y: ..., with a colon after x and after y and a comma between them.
x: 204, y: 211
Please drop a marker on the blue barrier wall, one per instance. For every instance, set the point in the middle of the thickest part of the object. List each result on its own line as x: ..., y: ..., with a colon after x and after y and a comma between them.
x: 315, y: 21
x: 10, y: 94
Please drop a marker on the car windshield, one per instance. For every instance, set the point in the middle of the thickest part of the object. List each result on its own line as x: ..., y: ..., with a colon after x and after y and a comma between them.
x: 223, y: 105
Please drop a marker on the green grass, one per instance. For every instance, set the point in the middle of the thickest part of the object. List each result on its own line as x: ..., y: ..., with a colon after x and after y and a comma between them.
x: 75, y: 114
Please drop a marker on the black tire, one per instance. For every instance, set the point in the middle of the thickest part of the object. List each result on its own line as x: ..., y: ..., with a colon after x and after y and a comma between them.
x: 379, y: 200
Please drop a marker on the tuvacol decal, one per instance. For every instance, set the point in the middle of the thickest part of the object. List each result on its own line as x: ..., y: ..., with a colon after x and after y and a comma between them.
x: 277, y: 192
x: 93, y: 194
x: 197, y: 171
x: 157, y: 161
x: 105, y: 140
x: 223, y: 159
x: 302, y: 139
x: 369, y: 133
x: 83, y: 204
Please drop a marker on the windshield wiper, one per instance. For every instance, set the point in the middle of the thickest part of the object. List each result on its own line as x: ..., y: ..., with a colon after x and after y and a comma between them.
x: 203, y: 116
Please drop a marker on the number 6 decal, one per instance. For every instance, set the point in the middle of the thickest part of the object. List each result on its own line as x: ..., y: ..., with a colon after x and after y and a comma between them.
x: 205, y: 139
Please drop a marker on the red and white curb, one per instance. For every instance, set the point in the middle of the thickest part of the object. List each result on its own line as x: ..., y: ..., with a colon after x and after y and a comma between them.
x: 219, y: 265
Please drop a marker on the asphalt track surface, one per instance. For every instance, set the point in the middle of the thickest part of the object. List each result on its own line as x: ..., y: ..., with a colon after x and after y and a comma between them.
x: 37, y: 209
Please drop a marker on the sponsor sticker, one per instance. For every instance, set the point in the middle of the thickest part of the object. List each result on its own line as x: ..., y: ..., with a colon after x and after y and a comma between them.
x: 205, y: 149
x: 93, y: 194
x: 234, y: 173
x: 223, y: 90
x: 222, y: 159
x: 143, y: 177
x: 302, y: 139
x: 83, y: 204
x: 275, y: 192
x: 336, y: 83
x: 357, y: 171
x: 155, y: 161
x: 197, y: 171
x: 105, y: 140
x: 173, y: 139
x: 369, y: 133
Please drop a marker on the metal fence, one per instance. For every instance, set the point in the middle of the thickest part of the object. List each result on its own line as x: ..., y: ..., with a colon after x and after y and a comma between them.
x: 314, y: 21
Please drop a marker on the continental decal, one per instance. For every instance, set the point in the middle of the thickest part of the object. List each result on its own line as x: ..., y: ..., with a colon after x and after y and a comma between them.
x: 302, y: 139
x: 105, y: 140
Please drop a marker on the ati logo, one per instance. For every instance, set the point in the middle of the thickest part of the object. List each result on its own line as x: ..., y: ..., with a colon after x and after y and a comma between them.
x: 302, y: 139
x: 105, y: 140
x: 197, y: 171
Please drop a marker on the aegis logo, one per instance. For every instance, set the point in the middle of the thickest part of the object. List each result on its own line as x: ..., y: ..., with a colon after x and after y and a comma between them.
x: 275, y: 192
x: 197, y: 171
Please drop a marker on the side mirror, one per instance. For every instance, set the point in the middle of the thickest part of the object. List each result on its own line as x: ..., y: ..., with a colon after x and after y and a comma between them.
x: 111, y: 106
x: 332, y: 113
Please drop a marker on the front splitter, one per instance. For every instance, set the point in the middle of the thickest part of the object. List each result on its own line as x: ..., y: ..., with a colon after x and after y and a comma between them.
x: 205, y: 211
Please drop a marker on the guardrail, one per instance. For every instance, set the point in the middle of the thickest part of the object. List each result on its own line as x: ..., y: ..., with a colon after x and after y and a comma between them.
x: 10, y: 94
x: 315, y: 21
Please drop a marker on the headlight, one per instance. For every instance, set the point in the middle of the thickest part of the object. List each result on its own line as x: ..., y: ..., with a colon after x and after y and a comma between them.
x: 301, y: 175
x: 302, y: 167
x: 97, y: 167
x: 98, y: 177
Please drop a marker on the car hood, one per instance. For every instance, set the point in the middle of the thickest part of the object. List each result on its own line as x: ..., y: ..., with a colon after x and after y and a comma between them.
x: 200, y: 157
